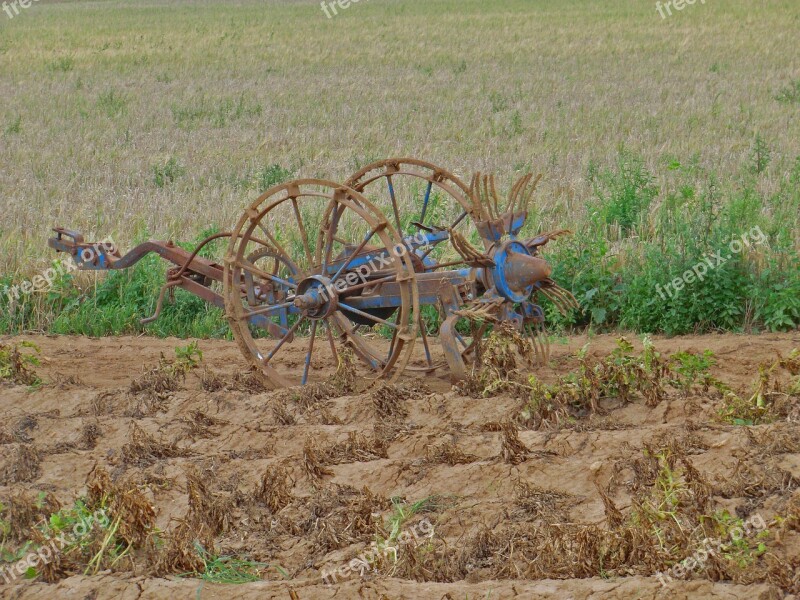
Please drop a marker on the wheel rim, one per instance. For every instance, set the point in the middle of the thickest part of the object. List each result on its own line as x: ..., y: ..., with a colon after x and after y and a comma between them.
x: 306, y: 303
x: 438, y: 199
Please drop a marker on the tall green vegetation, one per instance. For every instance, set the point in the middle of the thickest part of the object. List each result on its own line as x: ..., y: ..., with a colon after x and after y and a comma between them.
x: 637, y: 241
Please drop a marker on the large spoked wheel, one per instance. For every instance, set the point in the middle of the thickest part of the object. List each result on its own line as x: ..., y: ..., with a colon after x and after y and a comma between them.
x: 313, y: 270
x: 419, y: 197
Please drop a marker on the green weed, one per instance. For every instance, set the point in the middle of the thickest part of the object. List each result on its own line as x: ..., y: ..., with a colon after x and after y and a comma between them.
x: 226, y: 569
x: 167, y: 173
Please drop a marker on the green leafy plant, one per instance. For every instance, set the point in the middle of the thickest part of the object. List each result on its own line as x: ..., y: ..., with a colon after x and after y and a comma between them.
x: 789, y: 94
x: 270, y: 176
x: 226, y: 569
x: 167, y: 173
x: 738, y: 549
x: 63, y: 64
x: 187, y: 357
x: 15, y: 126
x: 16, y: 365
x: 402, y: 512
x: 760, y: 155
x: 112, y: 103
x: 690, y: 369
x: 623, y: 195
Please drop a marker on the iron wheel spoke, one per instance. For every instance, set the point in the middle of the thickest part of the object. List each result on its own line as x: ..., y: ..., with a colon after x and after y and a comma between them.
x: 366, y: 315
x: 288, y: 335
x: 250, y: 267
x: 307, y: 365
x: 266, y: 310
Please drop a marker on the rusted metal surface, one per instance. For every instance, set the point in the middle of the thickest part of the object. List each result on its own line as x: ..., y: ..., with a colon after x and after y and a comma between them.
x: 314, y: 258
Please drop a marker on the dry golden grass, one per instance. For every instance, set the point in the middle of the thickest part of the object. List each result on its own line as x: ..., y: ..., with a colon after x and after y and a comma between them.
x: 98, y: 98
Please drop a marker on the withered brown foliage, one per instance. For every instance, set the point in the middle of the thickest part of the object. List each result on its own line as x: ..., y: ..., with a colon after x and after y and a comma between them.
x: 390, y: 399
x: 774, y: 395
x: 777, y: 438
x: 23, y: 427
x: 756, y: 477
x: 201, y: 425
x: 450, y: 454
x: 513, y: 451
x: 671, y: 499
x: 90, y: 433
x: 313, y: 460
x: 126, y: 504
x: 281, y: 412
x: 179, y: 552
x: 210, y: 513
x: 143, y: 449
x: 533, y: 502
x: 494, y: 369
x: 208, y: 508
x: 242, y: 381
x: 23, y: 510
x: 20, y: 464
x: 274, y: 489
x: 355, y: 448
x: 342, y: 383
x: 160, y: 380
x: 339, y: 515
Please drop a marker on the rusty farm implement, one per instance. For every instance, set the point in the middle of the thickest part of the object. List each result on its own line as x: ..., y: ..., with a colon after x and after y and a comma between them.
x: 313, y: 267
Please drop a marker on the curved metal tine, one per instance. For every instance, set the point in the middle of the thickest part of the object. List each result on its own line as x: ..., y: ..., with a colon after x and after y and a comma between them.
x: 248, y: 266
x: 516, y: 190
x: 366, y: 315
x: 425, y: 203
x: 394, y: 204
x: 525, y: 333
x: 541, y: 344
x: 538, y: 351
x: 546, y: 342
x: 528, y: 194
x: 303, y: 234
x: 160, y: 303
x: 495, y: 197
x: 289, y: 334
x: 487, y: 196
x: 542, y: 341
x: 307, y: 364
